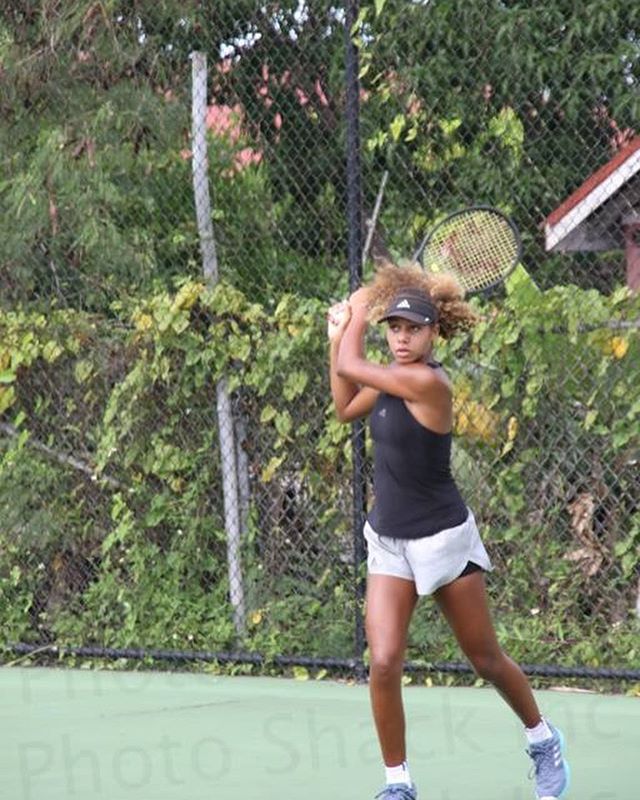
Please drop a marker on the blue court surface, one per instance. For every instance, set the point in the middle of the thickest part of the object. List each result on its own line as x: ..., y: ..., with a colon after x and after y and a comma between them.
x: 101, y: 735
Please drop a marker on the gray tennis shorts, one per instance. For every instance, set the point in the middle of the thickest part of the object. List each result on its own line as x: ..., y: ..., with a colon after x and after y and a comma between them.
x: 430, y: 562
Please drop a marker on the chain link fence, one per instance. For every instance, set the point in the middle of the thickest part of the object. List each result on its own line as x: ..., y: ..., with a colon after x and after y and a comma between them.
x: 180, y: 188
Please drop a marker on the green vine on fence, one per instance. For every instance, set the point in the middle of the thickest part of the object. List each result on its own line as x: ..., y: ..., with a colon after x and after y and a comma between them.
x: 118, y: 537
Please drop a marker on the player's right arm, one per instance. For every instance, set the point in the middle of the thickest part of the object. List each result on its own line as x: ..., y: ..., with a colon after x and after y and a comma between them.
x: 350, y: 400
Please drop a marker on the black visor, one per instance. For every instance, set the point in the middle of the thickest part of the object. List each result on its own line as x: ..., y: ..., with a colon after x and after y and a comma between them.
x: 413, y: 306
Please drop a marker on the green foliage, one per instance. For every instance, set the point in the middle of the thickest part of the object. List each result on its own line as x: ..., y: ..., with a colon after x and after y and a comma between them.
x: 110, y: 482
x: 113, y: 528
x: 511, y: 104
x: 560, y: 454
x: 96, y: 195
x: 124, y: 542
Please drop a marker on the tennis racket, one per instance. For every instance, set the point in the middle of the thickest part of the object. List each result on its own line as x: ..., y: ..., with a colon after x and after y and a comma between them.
x: 480, y: 245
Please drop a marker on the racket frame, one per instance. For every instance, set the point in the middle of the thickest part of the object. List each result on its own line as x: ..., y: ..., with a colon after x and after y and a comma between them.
x: 467, y: 210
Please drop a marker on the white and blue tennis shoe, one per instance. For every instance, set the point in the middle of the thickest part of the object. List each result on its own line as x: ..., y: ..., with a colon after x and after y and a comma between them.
x: 398, y: 791
x: 551, y: 770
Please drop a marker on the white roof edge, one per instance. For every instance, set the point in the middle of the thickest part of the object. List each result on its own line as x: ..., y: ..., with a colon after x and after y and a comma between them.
x: 554, y: 234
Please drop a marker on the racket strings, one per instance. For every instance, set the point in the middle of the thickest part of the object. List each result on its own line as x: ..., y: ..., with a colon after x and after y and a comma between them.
x: 478, y: 246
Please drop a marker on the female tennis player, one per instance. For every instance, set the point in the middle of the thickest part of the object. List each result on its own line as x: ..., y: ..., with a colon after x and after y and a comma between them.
x: 421, y: 537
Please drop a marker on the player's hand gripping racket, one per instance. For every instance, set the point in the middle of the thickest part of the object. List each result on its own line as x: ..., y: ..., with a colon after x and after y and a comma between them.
x: 480, y: 245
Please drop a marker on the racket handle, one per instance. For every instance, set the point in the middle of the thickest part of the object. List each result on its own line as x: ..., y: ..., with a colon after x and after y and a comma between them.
x: 420, y: 249
x: 379, y: 252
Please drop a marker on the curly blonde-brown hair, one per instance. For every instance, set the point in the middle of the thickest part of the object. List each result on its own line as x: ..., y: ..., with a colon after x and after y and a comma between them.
x: 444, y: 289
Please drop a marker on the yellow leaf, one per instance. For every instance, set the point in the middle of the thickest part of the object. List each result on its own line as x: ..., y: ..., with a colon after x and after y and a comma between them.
x: 590, y: 418
x: 177, y: 484
x: 379, y: 4
x: 474, y: 419
x: 397, y: 126
x: 615, y: 346
x: 301, y: 673
x: 7, y: 396
x: 51, y: 351
x: 619, y: 347
x: 508, y: 447
x: 256, y: 618
x: 143, y: 321
x: 270, y: 470
x: 187, y: 296
x: 267, y: 414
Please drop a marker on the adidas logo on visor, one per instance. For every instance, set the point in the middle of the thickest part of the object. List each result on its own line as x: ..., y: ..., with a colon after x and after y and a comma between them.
x: 404, y: 304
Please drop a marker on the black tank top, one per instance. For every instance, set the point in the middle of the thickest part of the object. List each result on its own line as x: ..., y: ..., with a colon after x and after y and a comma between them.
x: 415, y: 494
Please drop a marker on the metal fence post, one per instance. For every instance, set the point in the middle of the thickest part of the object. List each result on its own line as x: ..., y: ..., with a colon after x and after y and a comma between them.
x: 228, y: 463
x: 354, y: 217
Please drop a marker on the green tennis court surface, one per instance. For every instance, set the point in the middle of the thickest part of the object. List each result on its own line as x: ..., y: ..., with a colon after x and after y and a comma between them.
x: 154, y: 736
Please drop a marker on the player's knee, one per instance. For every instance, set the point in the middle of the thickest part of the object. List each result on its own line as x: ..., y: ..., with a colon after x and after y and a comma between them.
x: 488, y: 664
x: 386, y: 664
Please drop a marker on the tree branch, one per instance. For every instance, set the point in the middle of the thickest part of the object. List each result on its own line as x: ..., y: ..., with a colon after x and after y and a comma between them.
x: 62, y: 458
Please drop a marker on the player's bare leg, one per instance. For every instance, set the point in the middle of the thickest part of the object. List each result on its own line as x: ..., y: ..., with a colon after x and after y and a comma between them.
x: 390, y: 604
x: 464, y: 604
